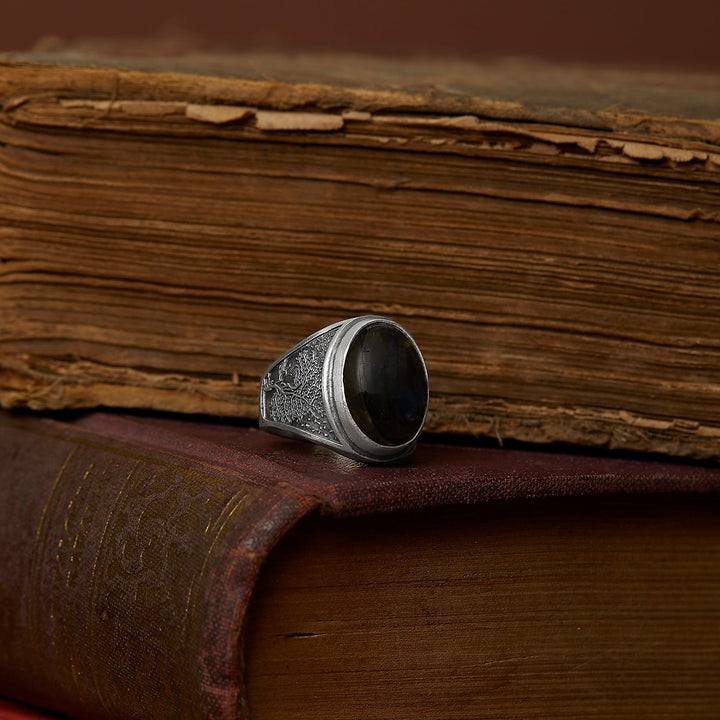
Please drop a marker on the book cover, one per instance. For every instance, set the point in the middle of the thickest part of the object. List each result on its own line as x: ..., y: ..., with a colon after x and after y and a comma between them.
x: 131, y: 549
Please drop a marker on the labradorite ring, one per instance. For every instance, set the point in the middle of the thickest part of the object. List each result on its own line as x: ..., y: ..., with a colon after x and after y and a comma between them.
x: 359, y: 387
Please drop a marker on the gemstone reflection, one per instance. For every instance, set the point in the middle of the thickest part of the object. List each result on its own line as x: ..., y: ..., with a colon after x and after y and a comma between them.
x: 385, y: 384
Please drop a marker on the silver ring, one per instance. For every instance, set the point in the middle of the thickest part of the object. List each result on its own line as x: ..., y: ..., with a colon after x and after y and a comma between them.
x: 359, y: 387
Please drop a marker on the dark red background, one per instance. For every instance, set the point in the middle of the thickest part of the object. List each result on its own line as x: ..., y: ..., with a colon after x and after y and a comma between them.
x: 631, y: 32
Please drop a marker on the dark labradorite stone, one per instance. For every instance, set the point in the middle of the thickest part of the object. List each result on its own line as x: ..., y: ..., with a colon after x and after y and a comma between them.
x: 385, y: 385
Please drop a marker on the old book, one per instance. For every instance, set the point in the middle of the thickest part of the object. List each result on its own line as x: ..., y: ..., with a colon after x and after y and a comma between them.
x: 160, y: 568
x: 549, y: 236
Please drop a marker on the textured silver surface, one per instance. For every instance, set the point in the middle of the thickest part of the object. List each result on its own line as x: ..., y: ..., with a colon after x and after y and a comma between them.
x: 292, y: 388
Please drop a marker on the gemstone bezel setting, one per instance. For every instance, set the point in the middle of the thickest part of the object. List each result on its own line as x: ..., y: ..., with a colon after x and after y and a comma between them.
x: 344, y: 423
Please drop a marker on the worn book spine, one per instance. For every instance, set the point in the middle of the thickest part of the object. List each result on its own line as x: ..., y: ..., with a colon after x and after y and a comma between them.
x: 129, y: 547
x: 125, y: 574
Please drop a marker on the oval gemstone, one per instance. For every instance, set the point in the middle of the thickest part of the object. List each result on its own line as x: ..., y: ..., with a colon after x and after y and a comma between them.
x: 385, y: 384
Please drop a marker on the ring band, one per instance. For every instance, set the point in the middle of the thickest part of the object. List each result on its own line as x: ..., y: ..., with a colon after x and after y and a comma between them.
x: 359, y: 387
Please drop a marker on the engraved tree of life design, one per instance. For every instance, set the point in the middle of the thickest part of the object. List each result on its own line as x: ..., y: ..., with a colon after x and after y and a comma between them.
x: 293, y: 389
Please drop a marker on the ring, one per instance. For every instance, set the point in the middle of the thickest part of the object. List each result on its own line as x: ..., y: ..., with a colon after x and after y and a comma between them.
x: 359, y: 387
